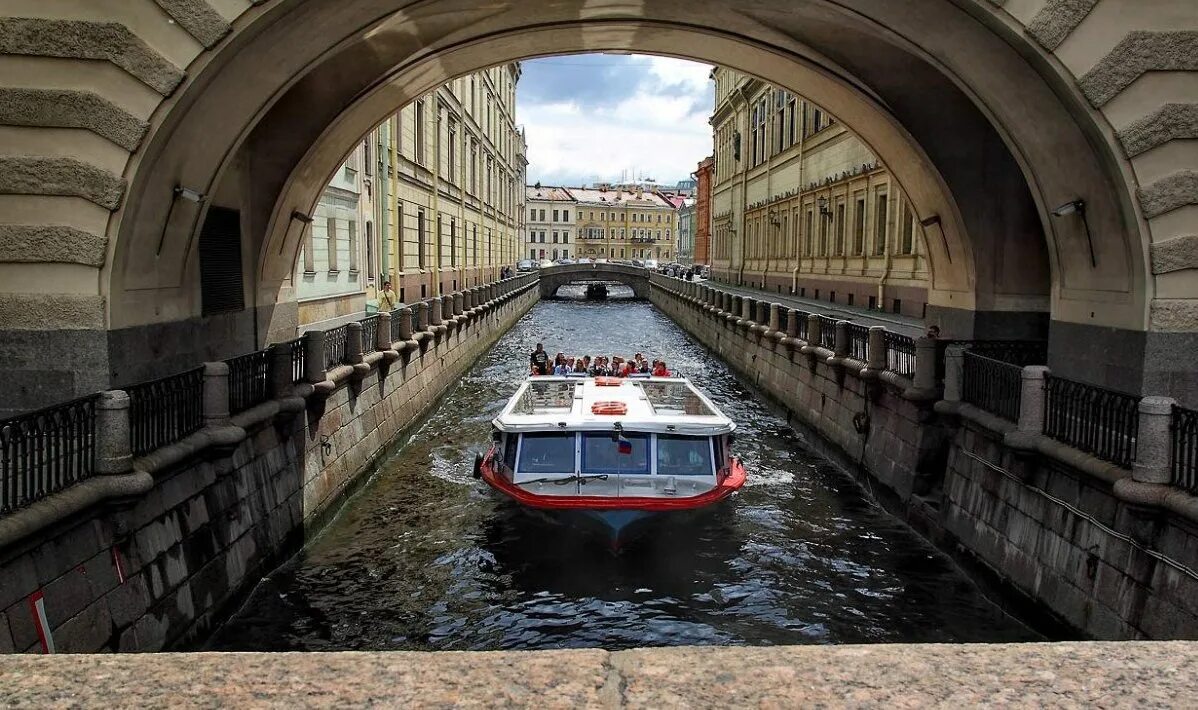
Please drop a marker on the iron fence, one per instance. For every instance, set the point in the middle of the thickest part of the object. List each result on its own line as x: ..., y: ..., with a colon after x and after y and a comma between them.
x: 396, y: 324
x: 827, y: 332
x: 1094, y: 419
x: 415, y: 315
x: 296, y: 349
x: 165, y: 410
x: 804, y: 319
x: 249, y: 380
x: 783, y: 320
x: 46, y: 451
x: 1016, y: 352
x: 370, y: 333
x: 336, y: 341
x: 992, y: 385
x: 859, y: 342
x: 1183, y: 429
x: 900, y: 354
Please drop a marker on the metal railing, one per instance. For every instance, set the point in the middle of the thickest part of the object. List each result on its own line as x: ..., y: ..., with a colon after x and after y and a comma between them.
x: 415, y: 319
x: 783, y: 319
x: 1016, y: 352
x: 370, y: 333
x: 396, y: 324
x: 802, y: 330
x: 992, y: 385
x: 45, y: 451
x: 827, y: 332
x: 165, y: 410
x: 249, y: 380
x: 1183, y: 431
x: 900, y: 354
x: 859, y: 342
x: 1093, y: 419
x: 296, y: 349
x: 336, y: 342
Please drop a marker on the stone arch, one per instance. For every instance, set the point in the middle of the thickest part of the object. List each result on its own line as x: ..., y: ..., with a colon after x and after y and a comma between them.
x: 554, y: 277
x: 993, y: 115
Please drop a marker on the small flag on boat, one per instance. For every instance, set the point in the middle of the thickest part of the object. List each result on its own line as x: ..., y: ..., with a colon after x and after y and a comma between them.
x: 624, y: 445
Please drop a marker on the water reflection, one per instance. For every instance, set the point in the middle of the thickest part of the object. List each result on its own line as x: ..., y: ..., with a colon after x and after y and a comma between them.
x: 426, y: 558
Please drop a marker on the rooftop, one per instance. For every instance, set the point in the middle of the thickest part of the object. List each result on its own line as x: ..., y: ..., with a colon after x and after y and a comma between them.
x: 548, y: 192
x: 625, y: 198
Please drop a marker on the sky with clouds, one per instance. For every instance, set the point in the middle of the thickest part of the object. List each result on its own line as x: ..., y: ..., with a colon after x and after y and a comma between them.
x: 592, y: 117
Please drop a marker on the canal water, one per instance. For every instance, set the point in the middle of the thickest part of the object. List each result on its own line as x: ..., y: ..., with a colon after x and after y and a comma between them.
x: 425, y: 558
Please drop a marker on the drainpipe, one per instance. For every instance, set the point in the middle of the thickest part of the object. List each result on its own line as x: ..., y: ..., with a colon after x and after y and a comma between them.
x: 436, y: 192
x: 887, y: 264
x: 744, y: 196
x: 794, y: 272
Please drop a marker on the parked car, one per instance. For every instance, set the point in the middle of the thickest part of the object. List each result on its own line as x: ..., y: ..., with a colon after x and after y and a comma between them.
x: 526, y: 265
x: 545, y: 263
x: 565, y: 261
x: 585, y: 260
x: 650, y: 264
x: 601, y: 260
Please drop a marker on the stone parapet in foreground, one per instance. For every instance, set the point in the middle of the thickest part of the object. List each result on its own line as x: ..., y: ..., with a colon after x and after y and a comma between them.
x: 1103, y: 674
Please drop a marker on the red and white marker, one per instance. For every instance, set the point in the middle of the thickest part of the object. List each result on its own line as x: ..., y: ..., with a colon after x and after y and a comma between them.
x: 37, y: 605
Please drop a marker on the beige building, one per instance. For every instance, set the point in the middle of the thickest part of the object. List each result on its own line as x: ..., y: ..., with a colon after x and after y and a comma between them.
x: 800, y: 205
x: 619, y: 223
x: 431, y: 201
x: 550, y: 231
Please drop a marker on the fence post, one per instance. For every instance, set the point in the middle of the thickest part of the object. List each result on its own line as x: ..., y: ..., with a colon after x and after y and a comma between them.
x: 280, y: 369
x: 314, y: 357
x: 775, y: 317
x: 216, y: 393
x: 875, y: 352
x: 434, y: 312
x: 924, y: 384
x: 423, y: 310
x: 353, y: 343
x: 114, y: 450
x: 382, y: 332
x: 404, y: 314
x: 1153, y: 441
x: 1031, y: 399
x: 841, y: 344
x: 792, y: 325
x: 954, y: 371
x: 458, y: 303
x: 814, y: 326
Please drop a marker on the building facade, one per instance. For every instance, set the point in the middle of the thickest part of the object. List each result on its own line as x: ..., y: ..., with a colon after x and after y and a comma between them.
x: 432, y: 200
x: 615, y: 223
x: 703, y: 175
x: 550, y: 231
x: 685, y: 246
x: 800, y: 205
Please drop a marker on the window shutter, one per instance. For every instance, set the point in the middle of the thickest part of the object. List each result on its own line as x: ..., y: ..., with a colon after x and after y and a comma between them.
x: 220, y: 262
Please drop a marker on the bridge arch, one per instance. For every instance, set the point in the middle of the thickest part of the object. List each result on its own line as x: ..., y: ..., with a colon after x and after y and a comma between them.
x: 554, y: 277
x: 989, y: 118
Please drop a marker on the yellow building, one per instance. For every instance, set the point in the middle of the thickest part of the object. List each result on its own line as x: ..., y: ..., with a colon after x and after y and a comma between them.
x: 621, y: 223
x: 800, y: 205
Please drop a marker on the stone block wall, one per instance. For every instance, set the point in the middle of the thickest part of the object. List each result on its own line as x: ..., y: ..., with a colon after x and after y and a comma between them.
x: 159, y: 571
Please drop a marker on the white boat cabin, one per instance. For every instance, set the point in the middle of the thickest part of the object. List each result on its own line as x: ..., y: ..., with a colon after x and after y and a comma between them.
x: 601, y: 436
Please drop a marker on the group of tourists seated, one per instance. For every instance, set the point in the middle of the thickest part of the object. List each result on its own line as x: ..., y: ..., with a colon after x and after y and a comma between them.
x: 600, y: 366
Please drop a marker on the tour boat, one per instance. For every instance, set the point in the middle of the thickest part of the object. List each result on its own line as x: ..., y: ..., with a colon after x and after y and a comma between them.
x: 613, y: 451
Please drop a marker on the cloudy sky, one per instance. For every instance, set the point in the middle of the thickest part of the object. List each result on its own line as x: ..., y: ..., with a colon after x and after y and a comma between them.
x: 590, y: 117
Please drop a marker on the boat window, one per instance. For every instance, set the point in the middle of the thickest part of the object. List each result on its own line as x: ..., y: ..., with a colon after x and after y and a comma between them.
x: 674, y: 398
x: 554, y: 396
x: 602, y: 455
x: 549, y: 452
x: 509, y: 450
x: 684, y: 456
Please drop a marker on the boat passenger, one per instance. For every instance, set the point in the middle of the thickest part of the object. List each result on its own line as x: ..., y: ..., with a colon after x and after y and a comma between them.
x: 539, y: 360
x: 660, y: 370
x: 583, y: 364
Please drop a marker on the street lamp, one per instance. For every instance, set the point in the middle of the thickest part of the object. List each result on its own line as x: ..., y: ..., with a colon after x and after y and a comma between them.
x: 823, y: 207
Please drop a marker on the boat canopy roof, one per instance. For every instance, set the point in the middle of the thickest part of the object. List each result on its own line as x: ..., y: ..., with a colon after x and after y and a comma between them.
x: 653, y: 404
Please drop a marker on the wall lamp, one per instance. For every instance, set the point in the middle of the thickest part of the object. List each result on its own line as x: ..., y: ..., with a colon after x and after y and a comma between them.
x: 1078, y: 207
x: 178, y: 193
x: 300, y: 217
x: 823, y: 208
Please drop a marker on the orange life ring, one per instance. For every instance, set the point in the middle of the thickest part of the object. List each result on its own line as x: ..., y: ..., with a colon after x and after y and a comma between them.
x: 608, y: 381
x: 609, y: 408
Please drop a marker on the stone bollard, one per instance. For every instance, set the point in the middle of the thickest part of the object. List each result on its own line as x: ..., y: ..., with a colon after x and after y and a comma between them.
x: 434, y: 312
x: 423, y: 315
x: 458, y: 304
x: 841, y: 345
x: 353, y: 344
x: 954, y: 372
x: 382, y: 332
x: 924, y: 384
x: 1153, y: 441
x: 216, y: 394
x: 747, y: 306
x: 314, y: 357
x: 775, y: 319
x: 875, y: 352
x: 114, y: 452
x: 280, y: 369
x: 1031, y: 398
x: 404, y: 314
x: 814, y: 326
x: 792, y: 325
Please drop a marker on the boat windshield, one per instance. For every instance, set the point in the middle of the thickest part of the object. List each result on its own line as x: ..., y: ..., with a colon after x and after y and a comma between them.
x: 547, y: 452
x: 546, y: 397
x: 602, y: 455
x: 684, y: 456
x: 674, y: 398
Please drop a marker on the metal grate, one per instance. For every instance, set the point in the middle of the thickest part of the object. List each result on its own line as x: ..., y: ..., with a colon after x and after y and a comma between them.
x: 1093, y: 419
x: 336, y: 341
x: 900, y: 354
x: 165, y: 410
x: 249, y: 380
x: 1183, y: 429
x: 992, y: 385
x: 859, y: 342
x: 370, y: 333
x: 46, y: 451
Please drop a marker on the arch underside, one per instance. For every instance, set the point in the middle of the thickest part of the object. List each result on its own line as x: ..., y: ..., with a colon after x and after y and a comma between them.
x: 982, y: 143
x: 555, y: 277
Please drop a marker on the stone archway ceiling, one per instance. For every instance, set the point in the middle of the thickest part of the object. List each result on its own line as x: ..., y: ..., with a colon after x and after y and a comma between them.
x: 95, y: 101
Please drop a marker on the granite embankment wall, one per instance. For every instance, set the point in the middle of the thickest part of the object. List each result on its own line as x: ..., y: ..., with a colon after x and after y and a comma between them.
x: 1071, y: 542
x: 159, y: 568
